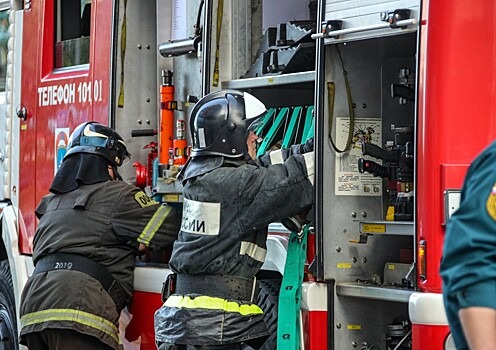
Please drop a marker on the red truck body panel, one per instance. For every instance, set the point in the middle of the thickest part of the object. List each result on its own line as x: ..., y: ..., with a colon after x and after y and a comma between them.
x: 56, y: 99
x: 456, y: 100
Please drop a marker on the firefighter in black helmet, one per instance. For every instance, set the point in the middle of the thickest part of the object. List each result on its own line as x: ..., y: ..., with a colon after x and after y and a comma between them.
x: 91, y: 227
x: 230, y: 198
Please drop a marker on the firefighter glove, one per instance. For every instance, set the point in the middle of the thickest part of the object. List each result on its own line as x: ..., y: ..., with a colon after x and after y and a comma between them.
x: 307, y: 146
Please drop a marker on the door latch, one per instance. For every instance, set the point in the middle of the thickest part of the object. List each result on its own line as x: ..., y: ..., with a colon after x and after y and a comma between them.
x: 393, y: 17
x: 22, y: 113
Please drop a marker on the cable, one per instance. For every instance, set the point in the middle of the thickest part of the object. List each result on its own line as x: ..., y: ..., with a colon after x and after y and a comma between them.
x: 120, y: 102
x: 331, y: 89
x: 220, y: 10
x: 403, y: 340
x: 198, y: 17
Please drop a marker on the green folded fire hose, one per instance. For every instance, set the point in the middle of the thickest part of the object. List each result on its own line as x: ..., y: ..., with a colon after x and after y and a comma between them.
x: 274, y: 128
x: 292, y: 129
x: 288, y: 319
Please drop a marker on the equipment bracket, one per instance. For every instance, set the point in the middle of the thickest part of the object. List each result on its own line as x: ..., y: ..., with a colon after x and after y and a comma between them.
x: 336, y: 33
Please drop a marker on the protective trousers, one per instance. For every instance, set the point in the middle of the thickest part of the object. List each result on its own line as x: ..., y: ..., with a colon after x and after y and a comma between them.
x: 63, y: 339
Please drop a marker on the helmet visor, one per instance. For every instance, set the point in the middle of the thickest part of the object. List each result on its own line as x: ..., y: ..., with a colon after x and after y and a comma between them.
x: 255, y: 124
x: 126, y: 159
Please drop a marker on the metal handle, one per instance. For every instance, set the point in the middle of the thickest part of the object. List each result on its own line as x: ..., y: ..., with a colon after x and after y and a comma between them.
x: 179, y: 47
x: 143, y: 132
x: 336, y: 33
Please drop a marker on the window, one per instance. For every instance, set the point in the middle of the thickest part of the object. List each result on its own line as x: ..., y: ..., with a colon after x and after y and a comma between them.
x: 4, y: 38
x: 72, y: 34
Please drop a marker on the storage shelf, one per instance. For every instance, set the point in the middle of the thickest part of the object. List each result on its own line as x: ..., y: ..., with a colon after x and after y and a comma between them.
x: 270, y: 80
x: 360, y: 290
x: 402, y: 228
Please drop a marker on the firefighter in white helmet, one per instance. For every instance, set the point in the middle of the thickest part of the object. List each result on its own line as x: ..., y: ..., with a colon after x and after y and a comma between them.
x: 230, y: 198
x: 91, y: 227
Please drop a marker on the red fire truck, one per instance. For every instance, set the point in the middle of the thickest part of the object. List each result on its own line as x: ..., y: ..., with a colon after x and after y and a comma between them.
x: 385, y: 86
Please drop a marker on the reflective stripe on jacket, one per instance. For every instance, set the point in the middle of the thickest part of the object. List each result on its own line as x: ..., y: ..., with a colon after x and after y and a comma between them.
x: 100, y: 324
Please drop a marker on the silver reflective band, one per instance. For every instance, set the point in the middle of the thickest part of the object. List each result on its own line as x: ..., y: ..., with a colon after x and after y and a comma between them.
x: 276, y: 157
x: 201, y: 137
x: 310, y: 164
x: 253, y: 251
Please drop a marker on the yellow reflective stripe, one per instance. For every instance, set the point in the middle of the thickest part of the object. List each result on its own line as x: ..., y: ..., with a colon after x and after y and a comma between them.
x: 71, y: 315
x: 153, y: 225
x: 211, y: 303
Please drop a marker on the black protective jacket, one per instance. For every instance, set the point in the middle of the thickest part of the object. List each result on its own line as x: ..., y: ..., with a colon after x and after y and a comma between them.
x: 104, y: 222
x: 224, y: 228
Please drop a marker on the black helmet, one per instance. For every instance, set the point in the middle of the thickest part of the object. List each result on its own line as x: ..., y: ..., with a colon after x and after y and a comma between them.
x: 95, y: 138
x: 220, y: 122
